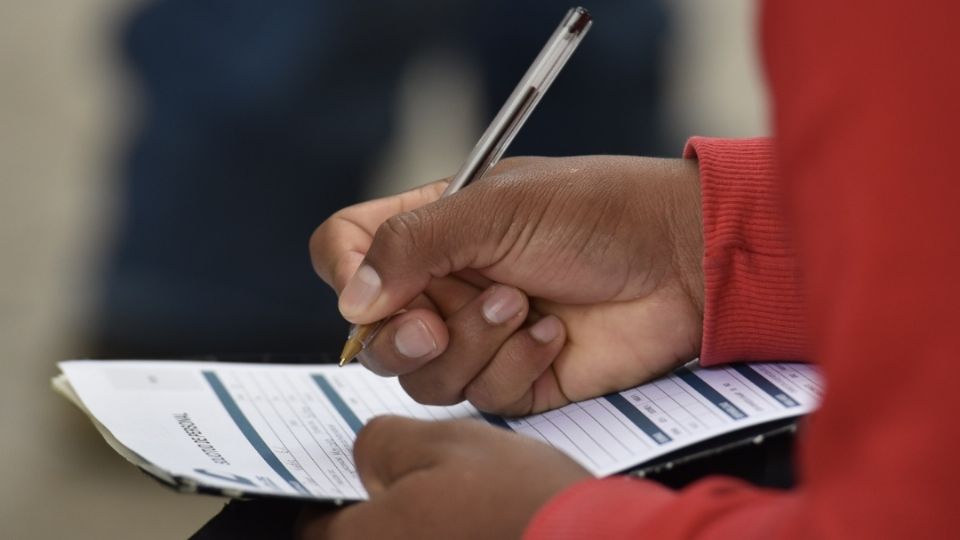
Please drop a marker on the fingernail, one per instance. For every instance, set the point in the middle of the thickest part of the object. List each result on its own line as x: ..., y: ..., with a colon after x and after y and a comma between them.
x: 502, y: 305
x: 546, y: 330
x: 413, y: 340
x: 360, y: 292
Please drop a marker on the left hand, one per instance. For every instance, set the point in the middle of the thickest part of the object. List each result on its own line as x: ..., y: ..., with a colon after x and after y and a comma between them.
x: 459, y: 479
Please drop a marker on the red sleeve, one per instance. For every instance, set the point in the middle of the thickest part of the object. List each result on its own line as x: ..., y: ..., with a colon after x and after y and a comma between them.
x: 865, y: 103
x: 753, y: 306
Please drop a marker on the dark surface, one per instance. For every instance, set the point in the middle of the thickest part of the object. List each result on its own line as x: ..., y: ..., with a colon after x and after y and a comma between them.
x: 252, y: 520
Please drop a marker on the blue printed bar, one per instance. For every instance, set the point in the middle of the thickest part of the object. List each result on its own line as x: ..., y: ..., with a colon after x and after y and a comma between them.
x: 712, y: 395
x: 496, y: 421
x: 766, y: 385
x: 338, y: 403
x: 250, y: 433
x: 638, y: 418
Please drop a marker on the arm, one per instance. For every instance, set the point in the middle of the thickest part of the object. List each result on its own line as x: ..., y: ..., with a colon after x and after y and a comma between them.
x: 862, y: 95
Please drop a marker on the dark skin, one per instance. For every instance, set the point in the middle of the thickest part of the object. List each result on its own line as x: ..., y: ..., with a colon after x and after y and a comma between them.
x: 440, y: 478
x: 549, y: 281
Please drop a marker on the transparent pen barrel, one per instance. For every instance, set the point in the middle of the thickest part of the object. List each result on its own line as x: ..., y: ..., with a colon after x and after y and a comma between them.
x: 524, y: 98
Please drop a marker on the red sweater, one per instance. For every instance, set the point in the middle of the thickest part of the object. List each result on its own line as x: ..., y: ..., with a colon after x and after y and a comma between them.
x: 865, y: 98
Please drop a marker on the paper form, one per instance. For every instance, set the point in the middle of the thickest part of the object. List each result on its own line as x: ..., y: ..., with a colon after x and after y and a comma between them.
x: 288, y: 430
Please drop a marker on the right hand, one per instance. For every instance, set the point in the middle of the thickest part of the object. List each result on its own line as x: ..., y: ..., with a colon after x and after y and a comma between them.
x: 609, y: 246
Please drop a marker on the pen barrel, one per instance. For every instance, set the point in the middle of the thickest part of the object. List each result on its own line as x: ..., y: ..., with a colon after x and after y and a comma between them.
x: 363, y: 334
x: 524, y: 98
x: 501, y: 131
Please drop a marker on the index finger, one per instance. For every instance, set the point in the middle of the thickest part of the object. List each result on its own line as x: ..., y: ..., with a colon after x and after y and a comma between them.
x: 337, y: 246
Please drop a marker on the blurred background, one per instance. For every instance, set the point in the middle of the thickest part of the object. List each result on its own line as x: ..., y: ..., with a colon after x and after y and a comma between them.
x: 163, y: 162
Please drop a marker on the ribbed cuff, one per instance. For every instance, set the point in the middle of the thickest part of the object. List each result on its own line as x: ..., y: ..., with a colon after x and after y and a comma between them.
x: 754, y: 306
x: 615, y: 507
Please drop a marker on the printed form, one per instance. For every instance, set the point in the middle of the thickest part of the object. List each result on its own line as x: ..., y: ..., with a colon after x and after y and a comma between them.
x: 288, y: 430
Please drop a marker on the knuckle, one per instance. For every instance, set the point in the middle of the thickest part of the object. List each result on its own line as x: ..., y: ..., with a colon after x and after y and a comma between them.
x: 319, y: 239
x: 402, y: 227
x: 323, y: 244
x: 430, y: 391
x: 403, y: 237
x: 517, y: 408
x: 316, y: 239
x: 327, y: 230
x: 482, y: 395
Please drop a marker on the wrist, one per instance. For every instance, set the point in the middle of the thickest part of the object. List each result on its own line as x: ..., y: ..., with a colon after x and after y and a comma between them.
x: 686, y: 227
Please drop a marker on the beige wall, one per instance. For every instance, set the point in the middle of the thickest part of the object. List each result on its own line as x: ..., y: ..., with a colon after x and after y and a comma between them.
x: 713, y: 82
x: 61, y: 105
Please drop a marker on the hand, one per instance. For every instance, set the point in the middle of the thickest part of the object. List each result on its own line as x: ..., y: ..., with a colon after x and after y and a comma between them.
x: 460, y: 479
x: 609, y: 249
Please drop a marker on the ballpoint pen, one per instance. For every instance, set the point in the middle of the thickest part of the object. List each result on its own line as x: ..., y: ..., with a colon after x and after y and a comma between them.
x: 500, y: 133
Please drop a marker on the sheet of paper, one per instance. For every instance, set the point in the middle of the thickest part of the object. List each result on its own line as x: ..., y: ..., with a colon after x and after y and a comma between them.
x: 289, y: 430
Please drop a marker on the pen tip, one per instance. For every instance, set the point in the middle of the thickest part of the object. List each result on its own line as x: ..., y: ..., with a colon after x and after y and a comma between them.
x: 350, y: 351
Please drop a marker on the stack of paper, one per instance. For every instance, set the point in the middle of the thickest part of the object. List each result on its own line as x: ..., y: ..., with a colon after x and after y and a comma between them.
x: 288, y: 430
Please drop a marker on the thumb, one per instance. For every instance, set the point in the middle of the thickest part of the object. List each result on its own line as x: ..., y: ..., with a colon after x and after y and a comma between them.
x: 390, y: 447
x: 411, y: 248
